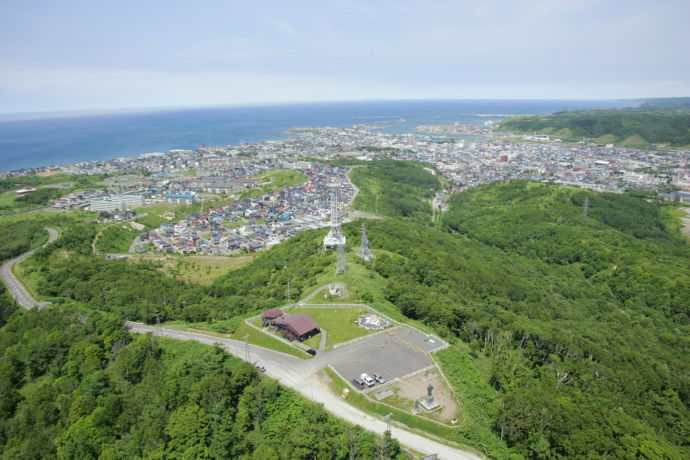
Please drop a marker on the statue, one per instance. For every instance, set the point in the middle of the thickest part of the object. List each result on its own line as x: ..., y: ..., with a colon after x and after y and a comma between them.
x: 428, y: 403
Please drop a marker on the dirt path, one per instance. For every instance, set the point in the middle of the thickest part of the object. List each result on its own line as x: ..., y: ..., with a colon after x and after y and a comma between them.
x: 685, y: 230
x: 340, y: 286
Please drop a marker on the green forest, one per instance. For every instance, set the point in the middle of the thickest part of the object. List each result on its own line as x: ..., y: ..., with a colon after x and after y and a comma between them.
x: 76, y: 387
x: 633, y: 126
x: 569, y: 332
x: 396, y: 189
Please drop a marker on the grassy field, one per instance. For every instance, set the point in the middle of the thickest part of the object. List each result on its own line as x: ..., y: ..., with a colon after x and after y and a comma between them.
x: 274, y: 180
x: 365, y: 286
x: 338, y: 322
x: 203, y: 269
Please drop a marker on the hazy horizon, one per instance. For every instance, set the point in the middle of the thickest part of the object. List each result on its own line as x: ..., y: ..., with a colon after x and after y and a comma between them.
x: 18, y: 116
x: 80, y: 55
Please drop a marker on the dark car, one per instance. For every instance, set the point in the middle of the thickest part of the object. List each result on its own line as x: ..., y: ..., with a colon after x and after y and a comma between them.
x: 312, y: 352
x: 358, y: 383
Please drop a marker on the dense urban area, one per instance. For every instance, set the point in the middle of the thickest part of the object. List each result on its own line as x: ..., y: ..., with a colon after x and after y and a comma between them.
x: 250, y: 220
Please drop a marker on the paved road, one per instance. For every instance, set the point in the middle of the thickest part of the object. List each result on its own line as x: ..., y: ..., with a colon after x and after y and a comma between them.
x: 14, y: 286
x: 301, y: 375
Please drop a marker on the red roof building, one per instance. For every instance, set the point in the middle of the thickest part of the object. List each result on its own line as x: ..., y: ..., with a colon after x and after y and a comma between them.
x: 270, y: 316
x: 297, y: 327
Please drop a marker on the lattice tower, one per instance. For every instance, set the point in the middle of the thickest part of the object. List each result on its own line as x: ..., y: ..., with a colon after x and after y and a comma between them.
x: 364, y: 251
x: 341, y: 267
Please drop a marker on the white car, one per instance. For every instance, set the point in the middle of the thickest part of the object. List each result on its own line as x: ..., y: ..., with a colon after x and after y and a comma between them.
x: 368, y: 380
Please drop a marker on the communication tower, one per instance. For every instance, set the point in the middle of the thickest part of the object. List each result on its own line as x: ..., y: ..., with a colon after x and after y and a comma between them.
x: 335, y: 235
x: 341, y: 267
x: 364, y: 251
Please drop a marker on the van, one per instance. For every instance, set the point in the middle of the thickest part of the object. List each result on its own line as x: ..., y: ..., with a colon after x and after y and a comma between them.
x: 368, y: 380
x: 358, y: 383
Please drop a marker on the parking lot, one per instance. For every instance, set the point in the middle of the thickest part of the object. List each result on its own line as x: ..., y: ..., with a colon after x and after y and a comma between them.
x: 393, y: 354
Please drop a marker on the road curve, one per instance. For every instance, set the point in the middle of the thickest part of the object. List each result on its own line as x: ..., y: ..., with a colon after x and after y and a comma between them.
x: 14, y: 286
x: 301, y: 375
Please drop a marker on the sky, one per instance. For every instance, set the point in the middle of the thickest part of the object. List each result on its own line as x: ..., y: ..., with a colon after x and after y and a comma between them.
x: 87, y: 55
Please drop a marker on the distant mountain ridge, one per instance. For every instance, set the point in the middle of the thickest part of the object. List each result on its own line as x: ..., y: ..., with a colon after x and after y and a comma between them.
x: 661, y: 122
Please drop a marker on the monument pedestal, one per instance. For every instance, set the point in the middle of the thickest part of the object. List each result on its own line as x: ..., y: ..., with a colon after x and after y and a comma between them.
x: 429, y: 405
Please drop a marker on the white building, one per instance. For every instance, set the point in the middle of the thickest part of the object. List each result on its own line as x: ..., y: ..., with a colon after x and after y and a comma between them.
x: 107, y: 205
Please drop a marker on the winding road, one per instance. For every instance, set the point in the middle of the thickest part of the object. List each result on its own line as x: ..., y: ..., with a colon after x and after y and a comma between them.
x: 14, y: 286
x: 301, y: 375
x: 298, y: 374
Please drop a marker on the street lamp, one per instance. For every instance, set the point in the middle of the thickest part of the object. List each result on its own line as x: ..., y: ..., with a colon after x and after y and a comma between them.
x: 388, y: 421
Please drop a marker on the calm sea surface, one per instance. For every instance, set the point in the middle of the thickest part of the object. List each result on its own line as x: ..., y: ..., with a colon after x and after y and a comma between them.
x: 54, y: 141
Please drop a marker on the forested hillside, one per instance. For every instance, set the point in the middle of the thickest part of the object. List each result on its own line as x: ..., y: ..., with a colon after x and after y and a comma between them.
x: 569, y: 332
x: 79, y: 387
x: 396, y: 189
x: 621, y: 126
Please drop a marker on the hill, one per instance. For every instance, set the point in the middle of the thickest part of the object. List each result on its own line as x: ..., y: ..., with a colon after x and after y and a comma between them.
x: 569, y: 332
x: 652, y: 123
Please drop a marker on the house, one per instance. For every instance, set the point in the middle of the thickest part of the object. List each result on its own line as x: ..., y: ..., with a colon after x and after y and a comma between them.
x: 299, y: 326
x: 271, y: 315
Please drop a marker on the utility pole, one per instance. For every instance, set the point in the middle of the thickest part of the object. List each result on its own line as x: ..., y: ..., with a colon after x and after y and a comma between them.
x: 246, y: 347
x: 158, y: 323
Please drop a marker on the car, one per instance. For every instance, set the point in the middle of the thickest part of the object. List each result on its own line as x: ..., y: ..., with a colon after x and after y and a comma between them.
x: 312, y: 352
x: 259, y: 367
x: 368, y: 380
x: 358, y: 383
x: 378, y: 377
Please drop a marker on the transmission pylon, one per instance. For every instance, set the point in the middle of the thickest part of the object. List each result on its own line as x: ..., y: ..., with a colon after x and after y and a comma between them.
x: 335, y: 236
x: 341, y: 267
x: 364, y: 251
x: 585, y: 207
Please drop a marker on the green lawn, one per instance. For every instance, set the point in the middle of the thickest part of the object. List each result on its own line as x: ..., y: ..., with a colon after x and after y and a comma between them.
x: 339, y: 322
x: 366, y: 286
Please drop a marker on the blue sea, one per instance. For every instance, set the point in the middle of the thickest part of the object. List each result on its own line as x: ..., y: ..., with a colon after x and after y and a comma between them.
x: 51, y: 140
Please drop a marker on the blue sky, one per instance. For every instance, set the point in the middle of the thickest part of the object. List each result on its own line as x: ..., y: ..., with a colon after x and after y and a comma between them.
x: 83, y: 55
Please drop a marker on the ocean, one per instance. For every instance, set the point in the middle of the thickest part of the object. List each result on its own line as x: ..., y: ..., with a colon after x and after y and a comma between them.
x: 36, y: 142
